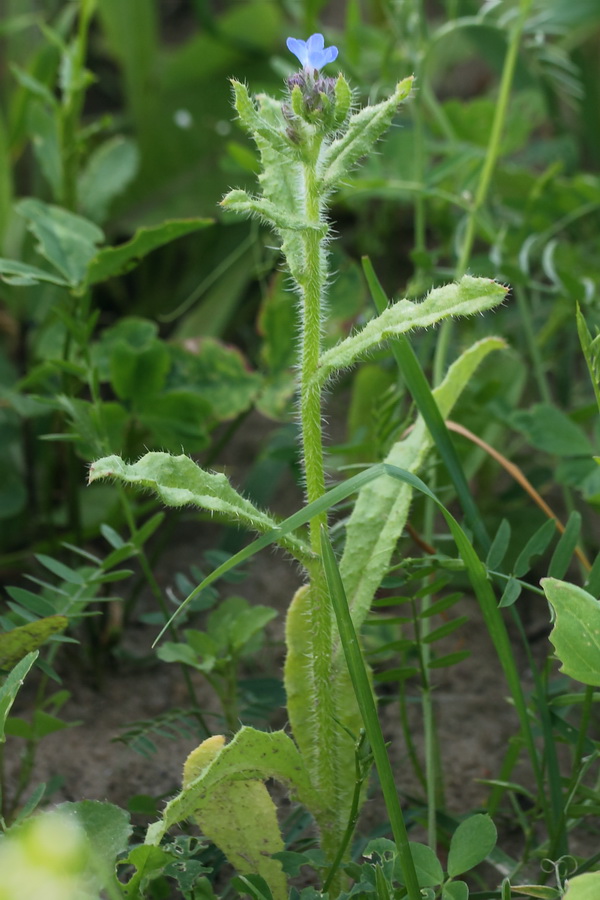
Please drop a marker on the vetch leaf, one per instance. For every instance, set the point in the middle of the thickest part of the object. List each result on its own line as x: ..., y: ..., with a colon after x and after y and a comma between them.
x: 576, y: 632
x: 535, y: 546
x: 549, y: 429
x: 472, y: 841
x: 511, y: 593
x: 563, y: 553
x: 499, y: 546
x: 455, y: 890
x: 17, y: 643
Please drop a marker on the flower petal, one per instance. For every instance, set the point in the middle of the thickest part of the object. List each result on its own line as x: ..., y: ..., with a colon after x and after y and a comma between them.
x: 299, y: 49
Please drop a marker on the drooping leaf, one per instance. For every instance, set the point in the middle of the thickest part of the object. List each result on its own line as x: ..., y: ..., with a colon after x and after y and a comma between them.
x: 576, y: 632
x: 251, y: 755
x: 16, y: 644
x: 112, y: 261
x: 240, y: 818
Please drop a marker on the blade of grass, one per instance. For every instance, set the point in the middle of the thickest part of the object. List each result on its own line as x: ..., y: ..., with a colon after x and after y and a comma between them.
x: 364, y: 696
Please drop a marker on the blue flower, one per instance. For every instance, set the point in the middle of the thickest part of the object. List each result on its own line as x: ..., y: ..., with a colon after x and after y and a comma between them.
x: 311, y: 53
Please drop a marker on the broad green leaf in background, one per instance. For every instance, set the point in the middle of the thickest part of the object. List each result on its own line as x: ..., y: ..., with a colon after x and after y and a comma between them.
x: 455, y: 890
x: 583, y: 887
x: 251, y: 755
x: 466, y: 297
x: 107, y: 173
x: 24, y: 275
x: 472, y: 841
x: 16, y: 644
x: 10, y: 688
x: 576, y: 632
x: 551, y: 430
x: 66, y: 240
x: 428, y: 869
x: 240, y: 818
x: 178, y: 481
x: 112, y: 261
x: 106, y: 826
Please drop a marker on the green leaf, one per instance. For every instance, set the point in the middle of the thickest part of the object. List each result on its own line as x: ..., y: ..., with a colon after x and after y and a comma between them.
x: 149, y: 863
x: 466, y: 297
x: 549, y: 429
x: 538, y: 891
x: 576, y: 632
x: 10, y: 688
x: 107, y: 173
x: 380, y: 511
x: 18, y: 642
x: 250, y: 756
x: 106, y: 826
x: 499, y: 545
x: 428, y: 869
x: 24, y: 275
x: 535, y: 546
x: 139, y: 372
x: 45, y: 136
x: 113, y: 261
x: 364, y: 129
x: 455, y: 890
x: 563, y: 553
x: 583, y: 887
x: 67, y: 241
x: 472, y: 841
x: 511, y: 593
x: 178, y: 481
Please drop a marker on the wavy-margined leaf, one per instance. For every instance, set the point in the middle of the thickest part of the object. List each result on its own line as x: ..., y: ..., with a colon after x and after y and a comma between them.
x: 251, y: 756
x: 20, y: 641
x: 178, y: 481
x: 463, y: 298
x: 381, y: 508
x: 576, y: 632
x: 240, y: 818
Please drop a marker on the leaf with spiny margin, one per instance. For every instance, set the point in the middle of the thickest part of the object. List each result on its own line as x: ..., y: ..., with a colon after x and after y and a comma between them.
x: 178, y: 481
x: 363, y: 131
x: 251, y: 756
x: 466, y: 297
x: 381, y: 509
x: 576, y: 632
x: 20, y: 641
x: 240, y: 818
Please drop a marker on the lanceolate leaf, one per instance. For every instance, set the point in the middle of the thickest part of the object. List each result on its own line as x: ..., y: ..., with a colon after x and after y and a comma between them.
x: 576, y: 632
x: 10, y: 688
x: 251, y: 756
x: 381, y: 508
x: 178, y: 481
x: 469, y: 295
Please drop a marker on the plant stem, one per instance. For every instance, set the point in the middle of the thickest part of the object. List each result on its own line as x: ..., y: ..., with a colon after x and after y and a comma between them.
x: 324, y: 765
x: 485, y: 178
